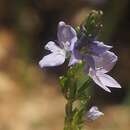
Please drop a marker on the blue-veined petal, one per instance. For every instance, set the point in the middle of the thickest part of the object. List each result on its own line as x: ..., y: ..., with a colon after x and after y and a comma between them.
x: 98, y: 48
x: 97, y: 80
x: 66, y: 34
x: 106, y: 61
x: 53, y: 59
x: 108, y: 80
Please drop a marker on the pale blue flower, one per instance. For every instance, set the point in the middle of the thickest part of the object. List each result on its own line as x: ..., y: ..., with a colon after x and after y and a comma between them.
x: 66, y: 39
x: 85, y: 48
x: 94, y: 113
x: 98, y: 61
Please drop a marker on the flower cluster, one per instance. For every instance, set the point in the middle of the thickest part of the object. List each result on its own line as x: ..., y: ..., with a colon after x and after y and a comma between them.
x: 98, y: 58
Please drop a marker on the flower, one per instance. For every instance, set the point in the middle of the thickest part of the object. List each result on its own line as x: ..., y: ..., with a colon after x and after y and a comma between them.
x: 94, y: 113
x: 85, y: 48
x: 66, y: 39
x: 98, y: 61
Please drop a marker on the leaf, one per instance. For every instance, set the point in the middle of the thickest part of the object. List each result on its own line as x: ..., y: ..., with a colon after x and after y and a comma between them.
x: 84, y: 91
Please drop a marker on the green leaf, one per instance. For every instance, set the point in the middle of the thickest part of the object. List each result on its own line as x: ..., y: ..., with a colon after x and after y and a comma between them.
x: 82, y: 90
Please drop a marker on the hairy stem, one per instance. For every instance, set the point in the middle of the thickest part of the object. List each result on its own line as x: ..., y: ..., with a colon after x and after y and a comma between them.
x: 69, y: 115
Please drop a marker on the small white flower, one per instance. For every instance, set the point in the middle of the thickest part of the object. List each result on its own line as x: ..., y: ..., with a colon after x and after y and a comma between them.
x: 94, y: 113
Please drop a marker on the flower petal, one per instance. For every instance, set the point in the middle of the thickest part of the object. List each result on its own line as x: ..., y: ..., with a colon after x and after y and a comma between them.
x: 94, y: 113
x: 108, y: 80
x: 99, y: 48
x: 51, y: 46
x: 66, y: 34
x: 77, y: 54
x: 89, y: 59
x: 53, y: 59
x: 106, y: 61
x: 73, y: 60
x: 97, y: 80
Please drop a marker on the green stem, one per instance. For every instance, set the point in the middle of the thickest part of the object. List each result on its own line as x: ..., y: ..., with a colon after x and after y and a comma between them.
x: 69, y: 115
x: 72, y: 117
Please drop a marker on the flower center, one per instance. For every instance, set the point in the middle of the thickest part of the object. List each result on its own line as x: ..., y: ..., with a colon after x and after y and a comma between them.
x: 66, y: 48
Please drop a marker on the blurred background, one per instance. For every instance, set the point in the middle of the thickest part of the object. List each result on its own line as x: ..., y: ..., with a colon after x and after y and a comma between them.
x: 30, y: 97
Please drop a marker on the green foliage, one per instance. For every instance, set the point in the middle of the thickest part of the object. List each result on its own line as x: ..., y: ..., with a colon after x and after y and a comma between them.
x: 92, y: 24
x: 75, y: 84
